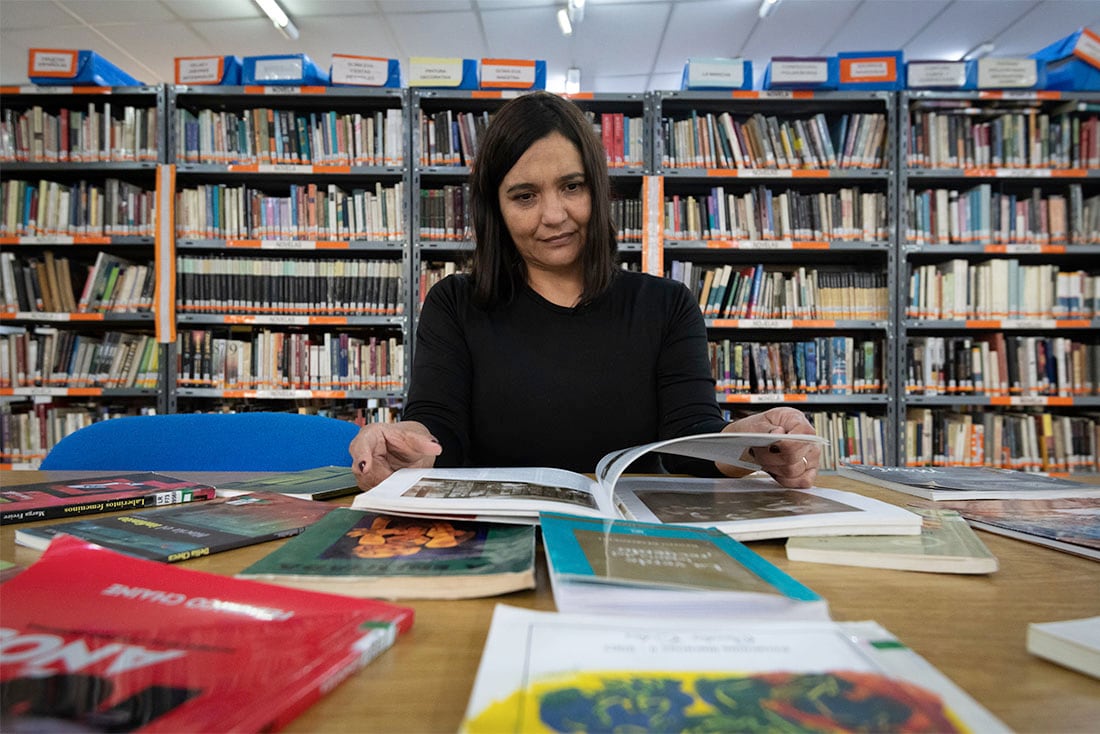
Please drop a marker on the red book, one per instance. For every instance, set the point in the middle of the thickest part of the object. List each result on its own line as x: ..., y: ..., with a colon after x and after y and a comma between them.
x: 140, y: 646
x: 91, y: 495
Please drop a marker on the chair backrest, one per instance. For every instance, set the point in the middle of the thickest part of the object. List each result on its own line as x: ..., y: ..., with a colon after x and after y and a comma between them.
x: 206, y: 442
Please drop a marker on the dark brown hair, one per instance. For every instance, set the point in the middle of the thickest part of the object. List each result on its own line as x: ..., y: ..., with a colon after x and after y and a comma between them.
x: 498, y: 270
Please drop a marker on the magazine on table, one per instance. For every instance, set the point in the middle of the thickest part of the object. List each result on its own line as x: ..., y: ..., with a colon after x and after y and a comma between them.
x: 748, y: 508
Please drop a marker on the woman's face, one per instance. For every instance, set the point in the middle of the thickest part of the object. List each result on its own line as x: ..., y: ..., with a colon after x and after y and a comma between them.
x: 546, y: 205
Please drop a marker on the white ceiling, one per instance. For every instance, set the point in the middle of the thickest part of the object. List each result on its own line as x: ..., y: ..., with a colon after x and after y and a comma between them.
x: 620, y: 46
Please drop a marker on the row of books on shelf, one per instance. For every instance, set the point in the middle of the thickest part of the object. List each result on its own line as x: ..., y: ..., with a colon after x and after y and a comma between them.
x: 854, y: 437
x: 308, y: 211
x: 279, y: 360
x: 775, y: 292
x: 998, y: 365
x: 982, y: 215
x: 762, y: 213
x: 99, y: 132
x: 706, y: 140
x: 214, y: 284
x: 958, y: 134
x: 445, y: 213
x: 52, y: 208
x: 267, y: 136
x: 1001, y: 288
x: 1023, y: 441
x: 49, y: 357
x: 110, y: 284
x: 831, y: 365
x: 623, y: 137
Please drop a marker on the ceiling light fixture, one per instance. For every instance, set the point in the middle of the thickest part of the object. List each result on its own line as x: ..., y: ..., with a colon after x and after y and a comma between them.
x: 576, y: 10
x: 279, y: 18
x: 564, y: 22
x: 980, y: 51
x: 766, y: 7
x: 572, y: 80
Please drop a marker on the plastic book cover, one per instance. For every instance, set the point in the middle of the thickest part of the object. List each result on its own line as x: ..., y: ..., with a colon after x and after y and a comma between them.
x: 91, y: 495
x: 140, y: 646
x: 1070, y: 524
x: 946, y: 544
x: 367, y: 554
x: 967, y: 482
x: 320, y: 483
x: 181, y: 533
x: 557, y: 672
x: 623, y: 566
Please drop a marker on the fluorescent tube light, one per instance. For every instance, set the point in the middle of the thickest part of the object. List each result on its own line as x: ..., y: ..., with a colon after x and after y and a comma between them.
x: 279, y: 18
x: 563, y: 22
x: 980, y: 51
x: 766, y: 7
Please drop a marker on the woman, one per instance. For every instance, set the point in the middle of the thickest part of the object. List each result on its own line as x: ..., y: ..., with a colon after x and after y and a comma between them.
x: 548, y: 354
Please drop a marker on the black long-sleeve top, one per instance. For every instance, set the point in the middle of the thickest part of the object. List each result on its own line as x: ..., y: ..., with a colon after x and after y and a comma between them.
x: 536, y: 384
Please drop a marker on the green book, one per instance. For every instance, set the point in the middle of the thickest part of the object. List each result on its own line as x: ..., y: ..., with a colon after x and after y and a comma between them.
x: 183, y: 532
x: 946, y: 544
x: 604, y: 566
x: 361, y: 553
x: 322, y: 483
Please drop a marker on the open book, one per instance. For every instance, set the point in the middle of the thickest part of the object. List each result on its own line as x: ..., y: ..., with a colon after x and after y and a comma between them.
x: 747, y: 509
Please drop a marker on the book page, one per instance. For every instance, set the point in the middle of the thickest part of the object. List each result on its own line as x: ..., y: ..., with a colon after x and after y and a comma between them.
x: 515, y: 492
x: 724, y: 447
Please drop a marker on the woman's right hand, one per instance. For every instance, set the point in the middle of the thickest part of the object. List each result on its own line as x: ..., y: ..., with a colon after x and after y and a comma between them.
x: 380, y: 449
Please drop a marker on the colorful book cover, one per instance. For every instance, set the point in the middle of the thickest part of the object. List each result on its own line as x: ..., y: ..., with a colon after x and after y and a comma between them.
x: 1070, y: 524
x: 623, y: 566
x: 320, y: 483
x: 92, y: 495
x: 556, y: 672
x: 181, y: 533
x: 367, y: 554
x: 946, y: 544
x: 98, y: 641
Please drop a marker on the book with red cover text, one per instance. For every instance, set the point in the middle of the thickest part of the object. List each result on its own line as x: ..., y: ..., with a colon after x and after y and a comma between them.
x: 93, y: 495
x: 94, y: 640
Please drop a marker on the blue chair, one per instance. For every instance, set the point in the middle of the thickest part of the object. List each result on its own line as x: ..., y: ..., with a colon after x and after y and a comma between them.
x: 206, y: 442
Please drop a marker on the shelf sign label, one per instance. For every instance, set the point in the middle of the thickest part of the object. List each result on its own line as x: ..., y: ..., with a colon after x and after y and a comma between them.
x: 1007, y: 73
x: 429, y: 71
x: 1088, y: 47
x: 722, y: 73
x: 868, y: 69
x: 199, y: 69
x: 804, y: 70
x: 287, y: 68
x: 52, y: 62
x: 363, y: 71
x: 936, y: 74
x: 508, y: 73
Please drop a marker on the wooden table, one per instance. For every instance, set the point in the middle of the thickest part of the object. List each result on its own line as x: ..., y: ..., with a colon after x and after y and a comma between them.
x: 970, y: 627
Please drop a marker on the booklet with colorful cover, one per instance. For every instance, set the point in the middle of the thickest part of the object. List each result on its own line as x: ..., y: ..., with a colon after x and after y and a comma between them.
x: 967, y: 482
x: 946, y: 544
x: 366, y: 554
x: 554, y: 672
x: 180, y: 533
x: 749, y: 508
x: 627, y: 567
x: 91, y: 495
x: 99, y: 641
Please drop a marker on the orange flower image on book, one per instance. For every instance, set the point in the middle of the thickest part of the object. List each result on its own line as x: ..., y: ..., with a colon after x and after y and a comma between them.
x: 389, y: 537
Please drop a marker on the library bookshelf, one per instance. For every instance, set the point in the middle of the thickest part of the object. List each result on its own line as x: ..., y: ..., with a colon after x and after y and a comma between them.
x: 77, y: 261
x: 999, y: 195
x: 299, y: 225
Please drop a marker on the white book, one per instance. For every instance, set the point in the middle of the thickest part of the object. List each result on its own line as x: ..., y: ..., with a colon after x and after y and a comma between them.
x: 967, y: 482
x: 1074, y: 643
x: 562, y: 672
x: 750, y: 508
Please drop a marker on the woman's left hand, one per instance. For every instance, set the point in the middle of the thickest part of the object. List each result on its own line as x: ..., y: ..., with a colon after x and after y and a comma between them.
x: 791, y: 463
